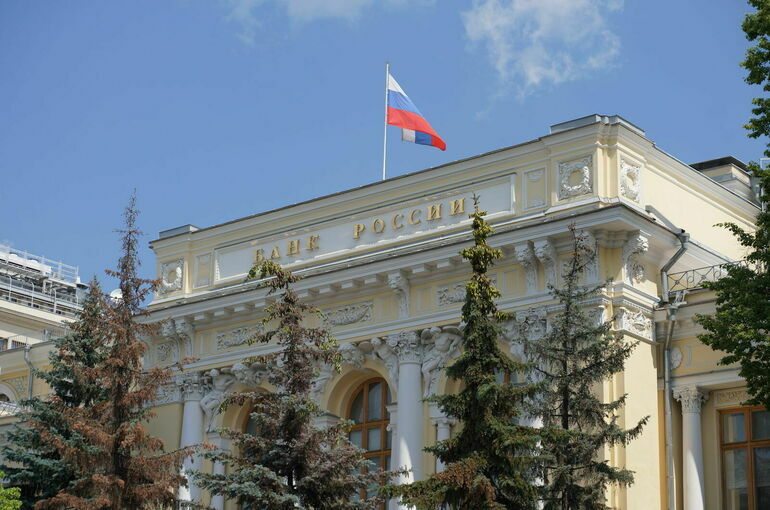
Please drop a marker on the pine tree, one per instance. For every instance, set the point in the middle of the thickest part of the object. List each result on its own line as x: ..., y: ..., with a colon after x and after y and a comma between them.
x: 573, y: 358
x: 289, y: 463
x: 9, y: 496
x: 116, y: 464
x: 490, y: 463
x: 741, y: 325
x: 31, y: 463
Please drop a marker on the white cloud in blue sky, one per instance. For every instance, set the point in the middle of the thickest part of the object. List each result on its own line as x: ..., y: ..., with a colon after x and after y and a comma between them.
x: 533, y: 43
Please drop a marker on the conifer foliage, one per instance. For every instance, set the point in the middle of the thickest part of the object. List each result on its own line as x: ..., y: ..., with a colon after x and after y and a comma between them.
x: 32, y: 463
x: 490, y: 462
x: 289, y: 464
x: 115, y: 463
x: 573, y: 358
x: 9, y: 497
x: 741, y: 325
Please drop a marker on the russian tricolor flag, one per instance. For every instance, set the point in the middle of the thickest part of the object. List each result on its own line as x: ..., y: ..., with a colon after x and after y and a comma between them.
x: 403, y: 113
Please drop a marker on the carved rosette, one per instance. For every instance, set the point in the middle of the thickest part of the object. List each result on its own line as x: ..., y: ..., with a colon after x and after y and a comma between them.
x: 350, y: 314
x: 634, y: 322
x: 546, y: 254
x: 525, y: 256
x: 633, y: 249
x: 629, y: 180
x: 171, y: 276
x: 575, y: 177
x: 691, y: 398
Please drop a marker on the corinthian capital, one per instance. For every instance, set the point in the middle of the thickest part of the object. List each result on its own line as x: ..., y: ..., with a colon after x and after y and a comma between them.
x: 191, y: 385
x: 407, y: 346
x: 691, y: 398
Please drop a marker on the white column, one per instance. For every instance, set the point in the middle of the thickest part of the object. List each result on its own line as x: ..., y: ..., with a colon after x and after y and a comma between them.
x: 443, y: 432
x: 191, y: 385
x: 692, y: 448
x: 218, y: 501
x: 394, y: 461
x: 408, y: 443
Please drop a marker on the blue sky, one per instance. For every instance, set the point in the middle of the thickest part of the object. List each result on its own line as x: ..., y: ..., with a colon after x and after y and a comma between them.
x: 217, y: 109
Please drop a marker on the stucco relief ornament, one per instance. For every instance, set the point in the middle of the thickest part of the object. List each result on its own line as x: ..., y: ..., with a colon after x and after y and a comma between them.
x: 385, y: 354
x: 629, y: 180
x: 400, y: 285
x: 525, y: 256
x: 451, y: 295
x: 351, y: 355
x: 350, y: 314
x: 533, y: 323
x: 235, y: 337
x: 251, y: 374
x: 441, y: 344
x: 171, y: 276
x: 636, y: 246
x: 546, y: 253
x: 166, y: 352
x: 675, y: 357
x: 407, y: 346
x: 635, y: 322
x: 219, y: 382
x: 568, y: 171
x: 182, y: 332
x: 190, y: 384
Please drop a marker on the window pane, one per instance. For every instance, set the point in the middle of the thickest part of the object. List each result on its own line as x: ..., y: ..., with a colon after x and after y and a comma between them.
x: 375, y: 402
x: 760, y: 425
x: 762, y: 476
x: 373, y: 439
x: 355, y: 437
x: 736, y: 493
x: 357, y: 409
x: 733, y: 428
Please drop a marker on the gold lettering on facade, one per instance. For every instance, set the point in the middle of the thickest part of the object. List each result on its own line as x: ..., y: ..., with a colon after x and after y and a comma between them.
x: 293, y: 247
x: 312, y: 243
x: 457, y: 206
x: 413, y: 220
x: 396, y: 222
x: 378, y: 226
x: 358, y: 229
x: 259, y: 256
x: 275, y: 253
x: 434, y: 212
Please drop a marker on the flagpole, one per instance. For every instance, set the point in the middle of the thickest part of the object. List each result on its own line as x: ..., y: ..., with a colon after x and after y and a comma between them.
x: 385, y: 137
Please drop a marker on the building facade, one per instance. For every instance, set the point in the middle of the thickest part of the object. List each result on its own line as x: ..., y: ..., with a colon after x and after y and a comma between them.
x: 381, y: 261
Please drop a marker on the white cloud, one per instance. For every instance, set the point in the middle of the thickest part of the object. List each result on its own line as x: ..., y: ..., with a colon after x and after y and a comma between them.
x: 245, y: 13
x: 538, y: 42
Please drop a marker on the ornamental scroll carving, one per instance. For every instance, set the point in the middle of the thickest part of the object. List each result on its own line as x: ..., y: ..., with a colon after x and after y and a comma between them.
x: 635, y: 322
x: 531, y: 324
x: 633, y: 249
x: 575, y: 177
x: 546, y: 253
x: 350, y: 314
x: 400, y: 285
x: 171, y: 276
x: 525, y: 256
x: 629, y: 180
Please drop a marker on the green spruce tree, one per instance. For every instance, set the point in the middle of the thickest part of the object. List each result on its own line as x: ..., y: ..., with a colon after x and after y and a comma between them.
x: 741, y: 325
x: 490, y: 462
x: 573, y: 358
x: 31, y: 463
x: 289, y: 464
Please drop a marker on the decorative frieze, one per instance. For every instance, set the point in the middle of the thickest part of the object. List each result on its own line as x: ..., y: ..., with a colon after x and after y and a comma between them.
x: 731, y: 397
x: 532, y: 323
x: 250, y: 374
x: 451, y: 295
x: 629, y: 179
x: 235, y: 337
x: 440, y: 345
x: 691, y: 398
x: 633, y: 249
x: 167, y: 352
x: 525, y: 256
x: 349, y: 314
x: 168, y: 393
x: 575, y: 177
x: 171, y: 276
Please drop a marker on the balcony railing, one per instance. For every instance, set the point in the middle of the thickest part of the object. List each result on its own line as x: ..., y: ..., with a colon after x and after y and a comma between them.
x: 694, y: 278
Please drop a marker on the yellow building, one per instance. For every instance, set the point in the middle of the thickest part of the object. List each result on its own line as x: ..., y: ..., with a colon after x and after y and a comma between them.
x: 382, y: 262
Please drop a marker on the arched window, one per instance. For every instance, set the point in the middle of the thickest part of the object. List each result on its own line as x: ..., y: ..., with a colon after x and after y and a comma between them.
x: 4, y: 398
x: 370, y: 418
